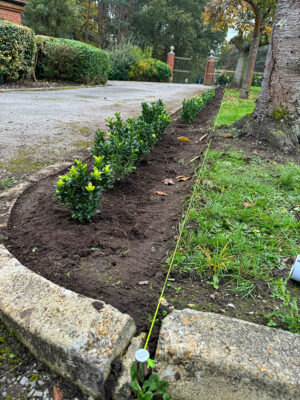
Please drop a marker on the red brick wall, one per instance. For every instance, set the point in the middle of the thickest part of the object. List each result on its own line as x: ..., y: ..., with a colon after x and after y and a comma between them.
x: 11, y: 11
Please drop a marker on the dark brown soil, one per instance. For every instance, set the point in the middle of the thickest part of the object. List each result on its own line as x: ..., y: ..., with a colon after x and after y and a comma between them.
x: 120, y: 256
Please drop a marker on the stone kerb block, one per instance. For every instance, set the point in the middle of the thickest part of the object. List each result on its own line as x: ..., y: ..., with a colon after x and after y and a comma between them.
x: 213, y: 357
x: 62, y: 328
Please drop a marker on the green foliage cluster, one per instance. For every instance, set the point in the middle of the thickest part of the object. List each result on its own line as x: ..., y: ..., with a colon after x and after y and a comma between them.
x: 80, y: 189
x: 148, y: 389
x: 131, y: 140
x: 288, y: 313
x: 17, y: 49
x: 132, y: 62
x: 127, y: 142
x: 150, y: 70
x: 257, y: 79
x: 51, y: 18
x: 225, y: 78
x: 191, y: 107
x: 70, y: 60
x: 121, y: 58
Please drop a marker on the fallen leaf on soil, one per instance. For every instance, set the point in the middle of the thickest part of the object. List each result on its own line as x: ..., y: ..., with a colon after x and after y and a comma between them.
x: 227, y: 136
x: 255, y: 152
x: 184, y: 178
x: 263, y: 369
x: 270, y: 351
x: 168, y: 181
x: 161, y: 193
x: 249, y: 204
x: 286, y: 260
x: 57, y: 393
x: 183, y: 139
x: 144, y: 283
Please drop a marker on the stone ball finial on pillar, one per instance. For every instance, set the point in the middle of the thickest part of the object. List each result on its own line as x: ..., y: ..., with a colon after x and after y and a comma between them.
x: 171, y: 60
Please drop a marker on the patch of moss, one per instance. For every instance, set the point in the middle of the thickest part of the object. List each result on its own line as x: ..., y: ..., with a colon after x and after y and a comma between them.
x: 279, y: 113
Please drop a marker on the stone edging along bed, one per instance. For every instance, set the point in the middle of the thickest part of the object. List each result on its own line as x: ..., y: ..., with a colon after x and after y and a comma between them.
x: 202, y: 355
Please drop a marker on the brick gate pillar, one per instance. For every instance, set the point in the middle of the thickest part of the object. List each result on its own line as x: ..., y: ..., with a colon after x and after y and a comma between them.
x: 171, y: 60
x: 209, y: 70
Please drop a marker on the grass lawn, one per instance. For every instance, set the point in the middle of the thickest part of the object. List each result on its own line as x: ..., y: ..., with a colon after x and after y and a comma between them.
x: 242, y: 227
x: 233, y: 108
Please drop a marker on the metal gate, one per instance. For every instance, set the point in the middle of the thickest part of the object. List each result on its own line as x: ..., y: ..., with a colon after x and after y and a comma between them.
x: 182, y: 69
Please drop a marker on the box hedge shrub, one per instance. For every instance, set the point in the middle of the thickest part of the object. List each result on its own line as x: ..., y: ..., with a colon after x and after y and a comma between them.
x: 70, y: 60
x: 17, y: 49
x: 150, y: 69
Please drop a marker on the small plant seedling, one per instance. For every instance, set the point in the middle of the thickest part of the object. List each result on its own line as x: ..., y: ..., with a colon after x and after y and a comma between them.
x: 146, y: 389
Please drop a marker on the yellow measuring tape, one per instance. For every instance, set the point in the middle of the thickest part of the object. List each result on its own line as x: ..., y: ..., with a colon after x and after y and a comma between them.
x: 176, y: 247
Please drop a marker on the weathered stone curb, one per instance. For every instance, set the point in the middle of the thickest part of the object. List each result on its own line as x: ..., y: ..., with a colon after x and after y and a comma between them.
x: 213, y: 357
x: 62, y: 328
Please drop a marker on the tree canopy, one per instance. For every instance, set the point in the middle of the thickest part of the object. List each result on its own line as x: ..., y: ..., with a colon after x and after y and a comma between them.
x: 51, y: 17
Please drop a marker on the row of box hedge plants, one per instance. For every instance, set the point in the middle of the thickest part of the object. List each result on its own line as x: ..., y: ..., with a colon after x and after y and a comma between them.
x: 192, y: 106
x: 115, y: 155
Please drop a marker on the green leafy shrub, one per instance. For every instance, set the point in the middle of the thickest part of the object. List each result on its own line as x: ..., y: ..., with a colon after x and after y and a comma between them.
x: 225, y: 78
x: 70, y: 60
x: 150, y: 69
x: 121, y: 59
x: 148, y: 389
x: 191, y: 107
x: 80, y: 189
x: 257, y: 79
x: 129, y: 141
x: 17, y: 49
x: 123, y: 56
x: 115, y: 156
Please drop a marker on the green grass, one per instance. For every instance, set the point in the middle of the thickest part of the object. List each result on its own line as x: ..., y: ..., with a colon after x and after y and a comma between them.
x: 242, y: 223
x: 233, y: 108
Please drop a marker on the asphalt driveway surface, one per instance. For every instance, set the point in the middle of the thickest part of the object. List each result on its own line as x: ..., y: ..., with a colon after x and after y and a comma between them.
x: 40, y: 127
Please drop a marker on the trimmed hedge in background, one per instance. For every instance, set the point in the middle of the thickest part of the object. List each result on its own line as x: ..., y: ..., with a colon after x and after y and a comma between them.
x: 150, y: 69
x: 17, y: 49
x: 70, y: 60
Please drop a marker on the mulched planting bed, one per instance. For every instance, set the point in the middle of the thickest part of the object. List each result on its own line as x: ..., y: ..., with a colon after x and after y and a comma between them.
x: 120, y: 256
x: 125, y: 246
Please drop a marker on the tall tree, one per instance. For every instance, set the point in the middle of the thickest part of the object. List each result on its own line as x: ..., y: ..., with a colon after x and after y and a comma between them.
x: 250, y: 18
x: 162, y: 23
x: 51, y: 17
x: 276, y: 118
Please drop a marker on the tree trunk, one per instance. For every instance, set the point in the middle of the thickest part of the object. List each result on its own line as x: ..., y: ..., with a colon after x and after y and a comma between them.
x: 276, y: 118
x: 252, y: 58
x: 86, y: 32
x: 240, y: 71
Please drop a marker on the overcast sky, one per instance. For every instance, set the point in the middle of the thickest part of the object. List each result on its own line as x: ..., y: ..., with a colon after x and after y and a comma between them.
x: 230, y: 34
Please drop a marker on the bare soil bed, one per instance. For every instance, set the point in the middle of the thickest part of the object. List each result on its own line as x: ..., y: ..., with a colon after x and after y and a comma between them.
x: 120, y: 257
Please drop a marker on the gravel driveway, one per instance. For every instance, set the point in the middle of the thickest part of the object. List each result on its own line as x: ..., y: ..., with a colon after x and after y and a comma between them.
x: 38, y: 128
